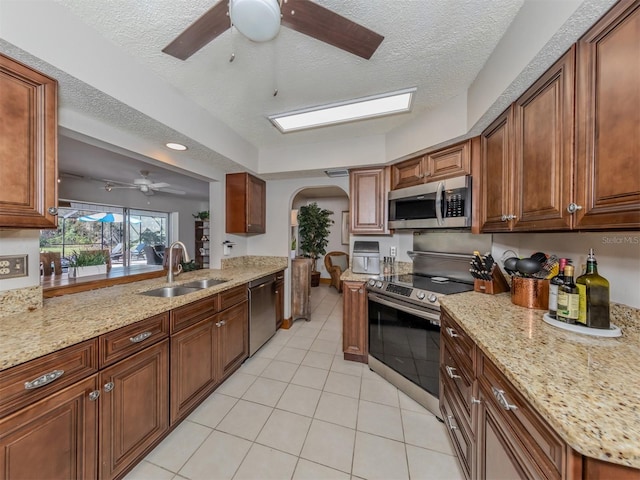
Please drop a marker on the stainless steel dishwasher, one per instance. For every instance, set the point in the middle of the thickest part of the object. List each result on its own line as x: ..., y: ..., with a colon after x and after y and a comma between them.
x: 262, y: 312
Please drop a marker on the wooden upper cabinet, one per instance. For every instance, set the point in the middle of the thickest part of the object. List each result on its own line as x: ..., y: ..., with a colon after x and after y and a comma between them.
x: 543, y: 151
x: 448, y: 162
x: 407, y: 173
x: 28, y: 147
x: 246, y: 203
x: 368, y: 189
x: 608, y: 121
x: 495, y: 198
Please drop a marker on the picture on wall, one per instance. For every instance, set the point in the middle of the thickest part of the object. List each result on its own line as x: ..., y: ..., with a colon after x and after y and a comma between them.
x: 345, y: 228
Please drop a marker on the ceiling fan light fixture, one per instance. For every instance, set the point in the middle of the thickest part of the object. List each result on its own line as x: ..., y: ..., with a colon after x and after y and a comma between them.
x: 176, y: 146
x: 343, y: 112
x: 258, y: 20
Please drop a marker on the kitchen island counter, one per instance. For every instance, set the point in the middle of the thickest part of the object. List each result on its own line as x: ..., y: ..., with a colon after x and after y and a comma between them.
x: 70, y: 319
x: 587, y: 388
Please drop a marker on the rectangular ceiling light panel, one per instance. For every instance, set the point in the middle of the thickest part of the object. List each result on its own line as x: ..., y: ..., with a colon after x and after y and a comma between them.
x: 350, y: 111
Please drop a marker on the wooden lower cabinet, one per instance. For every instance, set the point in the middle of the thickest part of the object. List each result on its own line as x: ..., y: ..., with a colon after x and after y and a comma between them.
x: 193, y: 367
x: 134, y: 408
x: 55, y: 437
x: 355, y: 329
x: 233, y: 338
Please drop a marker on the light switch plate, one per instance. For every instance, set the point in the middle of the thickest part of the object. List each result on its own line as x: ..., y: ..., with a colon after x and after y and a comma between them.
x: 12, y: 266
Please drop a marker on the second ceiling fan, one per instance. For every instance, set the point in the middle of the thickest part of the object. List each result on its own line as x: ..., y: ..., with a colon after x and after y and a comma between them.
x: 259, y: 20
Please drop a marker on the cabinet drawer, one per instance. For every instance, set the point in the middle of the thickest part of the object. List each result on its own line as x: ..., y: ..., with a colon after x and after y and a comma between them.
x: 460, y: 377
x: 52, y: 372
x: 538, y: 439
x: 192, y: 313
x: 460, y: 434
x: 230, y: 297
x: 461, y: 344
x: 127, y: 340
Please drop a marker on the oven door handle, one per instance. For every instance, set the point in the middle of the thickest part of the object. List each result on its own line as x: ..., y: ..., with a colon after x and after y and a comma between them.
x: 431, y: 317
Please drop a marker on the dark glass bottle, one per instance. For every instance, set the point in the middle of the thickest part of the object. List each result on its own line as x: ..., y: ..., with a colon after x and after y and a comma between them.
x: 554, y: 283
x: 593, y: 290
x: 568, y: 298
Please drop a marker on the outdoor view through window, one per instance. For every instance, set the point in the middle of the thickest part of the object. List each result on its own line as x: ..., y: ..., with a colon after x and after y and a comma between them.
x: 123, y: 233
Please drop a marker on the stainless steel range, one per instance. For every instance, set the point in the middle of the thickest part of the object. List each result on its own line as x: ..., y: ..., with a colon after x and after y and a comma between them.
x: 404, y: 313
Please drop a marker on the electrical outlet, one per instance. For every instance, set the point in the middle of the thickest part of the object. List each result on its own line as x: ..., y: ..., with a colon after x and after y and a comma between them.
x: 392, y: 251
x: 12, y: 266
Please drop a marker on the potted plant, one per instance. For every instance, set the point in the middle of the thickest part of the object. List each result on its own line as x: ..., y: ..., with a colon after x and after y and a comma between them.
x: 313, y: 229
x: 88, y: 262
x: 202, y: 216
x: 294, y: 244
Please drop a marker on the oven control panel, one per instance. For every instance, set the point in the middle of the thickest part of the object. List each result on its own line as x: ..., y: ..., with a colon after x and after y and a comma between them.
x: 402, y: 291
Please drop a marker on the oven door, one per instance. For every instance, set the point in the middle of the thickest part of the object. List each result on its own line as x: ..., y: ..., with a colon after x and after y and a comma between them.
x: 405, y: 338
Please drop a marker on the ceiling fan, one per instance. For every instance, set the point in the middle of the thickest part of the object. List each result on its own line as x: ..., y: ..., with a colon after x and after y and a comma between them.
x: 260, y: 20
x: 143, y: 184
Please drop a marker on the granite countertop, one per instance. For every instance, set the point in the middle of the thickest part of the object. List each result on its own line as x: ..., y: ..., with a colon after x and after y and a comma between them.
x: 69, y: 319
x: 587, y: 388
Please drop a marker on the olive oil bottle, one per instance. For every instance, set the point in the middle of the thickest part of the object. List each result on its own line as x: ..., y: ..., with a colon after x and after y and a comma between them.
x: 568, y: 298
x: 593, y: 291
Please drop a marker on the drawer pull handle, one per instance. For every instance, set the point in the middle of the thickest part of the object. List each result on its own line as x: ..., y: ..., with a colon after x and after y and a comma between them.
x: 502, y: 399
x: 140, y: 337
x: 221, y: 323
x: 109, y: 386
x: 43, y: 380
x: 450, y: 423
x: 452, y: 333
x: 475, y: 400
x: 450, y: 371
x: 93, y: 396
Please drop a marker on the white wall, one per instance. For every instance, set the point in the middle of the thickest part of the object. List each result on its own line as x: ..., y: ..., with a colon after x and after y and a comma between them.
x: 280, y: 194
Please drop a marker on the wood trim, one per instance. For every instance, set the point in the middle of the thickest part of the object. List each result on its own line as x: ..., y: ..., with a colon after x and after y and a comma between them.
x: 287, y: 323
x: 356, y: 357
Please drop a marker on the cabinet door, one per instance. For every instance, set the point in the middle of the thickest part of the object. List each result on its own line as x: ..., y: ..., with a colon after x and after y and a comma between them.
x: 608, y: 121
x: 496, y: 454
x: 134, y: 408
x: 355, y: 327
x: 53, y: 438
x: 459, y: 432
x: 28, y: 147
x: 368, y: 190
x: 407, y: 173
x: 495, y: 175
x: 233, y: 337
x: 256, y: 205
x: 543, y: 150
x: 450, y: 162
x: 193, y: 367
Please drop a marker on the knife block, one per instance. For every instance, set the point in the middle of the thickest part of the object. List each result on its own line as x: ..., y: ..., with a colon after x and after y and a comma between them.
x: 497, y: 284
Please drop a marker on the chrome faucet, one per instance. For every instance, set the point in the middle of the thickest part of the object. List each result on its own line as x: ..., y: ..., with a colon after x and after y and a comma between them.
x: 171, y: 273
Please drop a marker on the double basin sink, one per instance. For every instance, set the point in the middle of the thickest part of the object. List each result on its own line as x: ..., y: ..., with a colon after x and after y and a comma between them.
x: 178, y: 290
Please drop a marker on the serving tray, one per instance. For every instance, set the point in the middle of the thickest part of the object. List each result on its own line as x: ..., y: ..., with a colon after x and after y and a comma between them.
x: 612, y: 332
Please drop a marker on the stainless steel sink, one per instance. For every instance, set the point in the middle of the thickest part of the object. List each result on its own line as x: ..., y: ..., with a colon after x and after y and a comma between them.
x: 168, y: 292
x: 206, y: 283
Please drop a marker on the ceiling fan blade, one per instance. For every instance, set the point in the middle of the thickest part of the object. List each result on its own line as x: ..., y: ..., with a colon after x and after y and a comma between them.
x: 172, y: 191
x: 211, y: 24
x: 307, y: 17
x: 159, y: 185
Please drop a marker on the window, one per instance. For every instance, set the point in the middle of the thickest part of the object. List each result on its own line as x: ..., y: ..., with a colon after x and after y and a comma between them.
x: 124, y: 232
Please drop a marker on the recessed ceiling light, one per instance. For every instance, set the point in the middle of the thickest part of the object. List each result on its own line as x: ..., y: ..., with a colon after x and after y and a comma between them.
x: 176, y: 146
x: 349, y: 111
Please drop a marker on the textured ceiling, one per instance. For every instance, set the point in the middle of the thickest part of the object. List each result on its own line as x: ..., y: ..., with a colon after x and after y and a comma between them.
x: 438, y: 46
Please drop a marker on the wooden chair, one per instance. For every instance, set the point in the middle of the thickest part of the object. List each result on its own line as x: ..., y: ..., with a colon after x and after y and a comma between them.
x: 336, y: 263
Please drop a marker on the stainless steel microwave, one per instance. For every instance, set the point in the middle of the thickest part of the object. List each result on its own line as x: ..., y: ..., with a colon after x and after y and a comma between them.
x: 443, y: 204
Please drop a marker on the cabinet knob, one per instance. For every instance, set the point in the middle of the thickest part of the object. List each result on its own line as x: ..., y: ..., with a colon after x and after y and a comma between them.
x: 573, y: 208
x: 109, y: 386
x: 93, y: 396
x: 503, y: 218
x: 52, y: 211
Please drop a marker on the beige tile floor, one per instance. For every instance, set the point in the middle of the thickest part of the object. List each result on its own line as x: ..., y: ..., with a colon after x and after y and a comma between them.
x: 297, y: 411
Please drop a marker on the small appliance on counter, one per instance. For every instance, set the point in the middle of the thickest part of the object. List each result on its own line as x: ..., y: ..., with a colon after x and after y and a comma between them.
x: 366, y: 258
